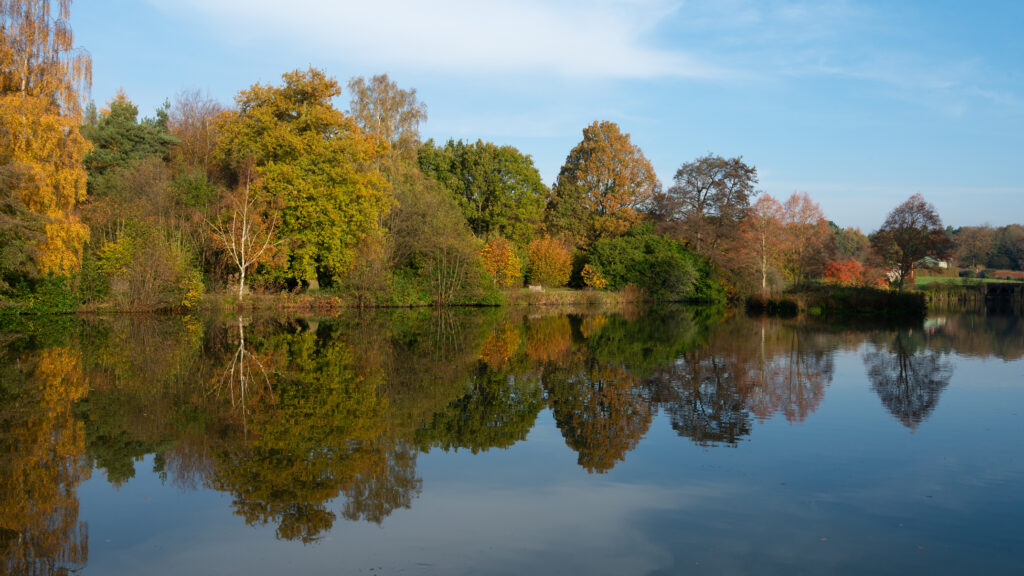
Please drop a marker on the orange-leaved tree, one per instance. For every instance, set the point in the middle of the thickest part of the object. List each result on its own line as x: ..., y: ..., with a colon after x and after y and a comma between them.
x: 809, y: 241
x: 550, y: 262
x: 601, y: 189
x: 500, y: 260
x: 844, y: 273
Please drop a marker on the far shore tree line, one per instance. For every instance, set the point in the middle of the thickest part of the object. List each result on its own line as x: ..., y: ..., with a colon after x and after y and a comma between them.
x: 284, y: 191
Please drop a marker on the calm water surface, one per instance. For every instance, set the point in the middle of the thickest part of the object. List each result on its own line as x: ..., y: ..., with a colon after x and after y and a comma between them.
x: 673, y: 441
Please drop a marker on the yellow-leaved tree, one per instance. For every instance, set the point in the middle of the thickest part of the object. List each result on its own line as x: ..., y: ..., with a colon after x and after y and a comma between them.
x: 41, y: 174
x: 314, y: 160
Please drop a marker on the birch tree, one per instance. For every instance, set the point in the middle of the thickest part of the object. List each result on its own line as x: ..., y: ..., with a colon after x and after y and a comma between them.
x: 247, y: 237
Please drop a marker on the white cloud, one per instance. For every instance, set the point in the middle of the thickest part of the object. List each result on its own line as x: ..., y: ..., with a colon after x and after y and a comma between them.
x: 566, y: 38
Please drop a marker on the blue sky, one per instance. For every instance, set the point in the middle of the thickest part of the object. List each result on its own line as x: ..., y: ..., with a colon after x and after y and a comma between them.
x: 859, y: 104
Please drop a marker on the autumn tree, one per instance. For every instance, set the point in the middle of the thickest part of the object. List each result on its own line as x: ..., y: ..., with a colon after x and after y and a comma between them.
x: 707, y: 199
x: 318, y: 162
x: 603, y: 187
x: 844, y: 273
x: 497, y: 187
x: 809, y: 243
x: 975, y: 245
x: 192, y: 119
x: 380, y: 107
x: 912, y: 231
x: 501, y: 261
x: 42, y: 77
x: 760, y: 241
x: 550, y: 262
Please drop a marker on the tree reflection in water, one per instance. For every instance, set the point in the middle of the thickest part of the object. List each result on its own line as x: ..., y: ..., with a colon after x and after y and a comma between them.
x: 908, y: 376
x: 303, y: 421
x: 42, y: 462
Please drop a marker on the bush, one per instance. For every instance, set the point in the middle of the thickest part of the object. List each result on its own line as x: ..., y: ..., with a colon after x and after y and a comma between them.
x: 550, y: 262
x: 662, y: 267
x: 147, y: 270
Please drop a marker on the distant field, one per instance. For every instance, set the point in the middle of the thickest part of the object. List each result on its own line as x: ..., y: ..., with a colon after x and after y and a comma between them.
x: 956, y: 281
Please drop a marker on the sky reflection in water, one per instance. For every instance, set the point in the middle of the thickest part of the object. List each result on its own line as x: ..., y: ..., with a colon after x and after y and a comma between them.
x: 485, y: 442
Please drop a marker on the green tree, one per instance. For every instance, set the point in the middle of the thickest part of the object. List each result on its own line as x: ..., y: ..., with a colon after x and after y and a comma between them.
x: 602, y: 188
x: 317, y: 161
x: 119, y: 139
x: 662, y: 267
x: 498, y: 188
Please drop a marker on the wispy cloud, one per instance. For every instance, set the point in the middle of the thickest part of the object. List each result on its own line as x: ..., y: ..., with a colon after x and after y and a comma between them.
x: 566, y: 38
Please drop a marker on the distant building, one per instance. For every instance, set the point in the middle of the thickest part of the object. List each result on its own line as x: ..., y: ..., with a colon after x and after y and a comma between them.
x: 929, y: 262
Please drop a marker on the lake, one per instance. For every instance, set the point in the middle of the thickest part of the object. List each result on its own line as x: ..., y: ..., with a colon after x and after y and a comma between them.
x: 676, y: 440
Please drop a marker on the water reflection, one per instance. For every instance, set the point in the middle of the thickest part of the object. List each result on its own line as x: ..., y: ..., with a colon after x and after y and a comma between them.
x: 302, y: 421
x: 908, y: 375
x: 41, y: 462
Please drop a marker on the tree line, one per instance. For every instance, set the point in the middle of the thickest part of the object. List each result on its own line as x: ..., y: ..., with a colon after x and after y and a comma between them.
x: 285, y: 191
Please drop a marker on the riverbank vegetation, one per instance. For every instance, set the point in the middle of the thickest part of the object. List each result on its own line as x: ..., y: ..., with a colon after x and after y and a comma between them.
x: 287, y: 198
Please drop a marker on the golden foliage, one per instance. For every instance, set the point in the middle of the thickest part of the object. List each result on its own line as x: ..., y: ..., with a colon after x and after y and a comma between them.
x: 550, y: 262
x: 41, y: 78
x: 593, y: 278
x: 549, y: 339
x: 500, y: 260
x: 501, y: 346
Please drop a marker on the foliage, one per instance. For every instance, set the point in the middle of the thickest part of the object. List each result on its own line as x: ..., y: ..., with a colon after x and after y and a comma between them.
x: 497, y: 188
x: 42, y: 76
x: 550, y: 262
x: 318, y: 163
x: 708, y: 199
x: 808, y: 240
x: 433, y: 252
x: 501, y: 262
x: 380, y: 107
x: 657, y: 264
x: 192, y: 119
x: 41, y: 154
x: 602, y: 188
x: 593, y: 278
x: 1009, y: 249
x: 145, y: 269
x: 911, y: 231
x: 851, y: 242
x: 119, y: 139
x: 844, y: 273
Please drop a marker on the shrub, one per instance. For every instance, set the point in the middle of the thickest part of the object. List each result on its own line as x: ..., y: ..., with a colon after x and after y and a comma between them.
x: 147, y: 270
x: 593, y: 278
x: 848, y: 273
x: 662, y: 267
x: 550, y: 262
